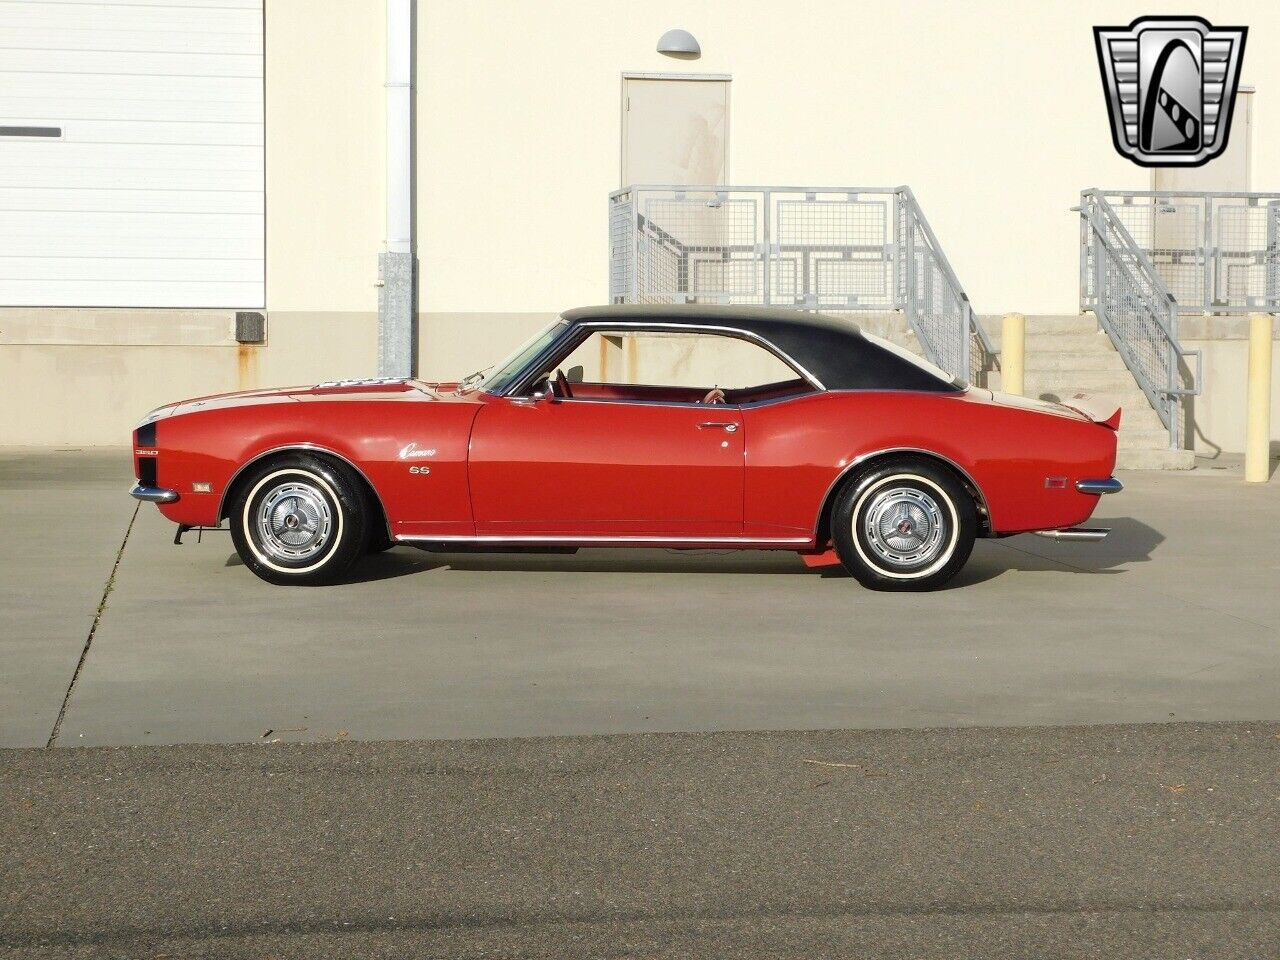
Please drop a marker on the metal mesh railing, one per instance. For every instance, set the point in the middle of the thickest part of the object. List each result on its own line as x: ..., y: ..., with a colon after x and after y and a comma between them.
x: 1216, y: 252
x: 811, y: 248
x: 1137, y: 309
x: 935, y: 304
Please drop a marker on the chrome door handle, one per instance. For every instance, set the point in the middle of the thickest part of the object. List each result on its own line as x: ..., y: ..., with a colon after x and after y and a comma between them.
x: 728, y: 426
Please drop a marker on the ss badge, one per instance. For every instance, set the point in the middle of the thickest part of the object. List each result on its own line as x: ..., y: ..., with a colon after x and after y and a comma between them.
x: 420, y: 471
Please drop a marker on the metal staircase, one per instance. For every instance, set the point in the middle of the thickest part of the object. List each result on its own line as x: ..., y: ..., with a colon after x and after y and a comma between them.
x: 1147, y: 258
x: 840, y: 249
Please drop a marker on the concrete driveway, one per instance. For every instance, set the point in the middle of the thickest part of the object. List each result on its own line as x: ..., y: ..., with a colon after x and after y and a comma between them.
x: 1176, y: 616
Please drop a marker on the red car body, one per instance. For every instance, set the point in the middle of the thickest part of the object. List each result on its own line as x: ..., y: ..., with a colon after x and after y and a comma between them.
x: 451, y: 465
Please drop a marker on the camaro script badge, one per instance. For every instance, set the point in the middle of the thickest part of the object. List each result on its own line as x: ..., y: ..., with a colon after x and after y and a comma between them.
x: 411, y: 451
x: 1170, y: 84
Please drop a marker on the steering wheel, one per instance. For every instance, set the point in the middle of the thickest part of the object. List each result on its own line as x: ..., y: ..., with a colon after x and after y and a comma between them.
x: 563, y: 390
x: 714, y: 395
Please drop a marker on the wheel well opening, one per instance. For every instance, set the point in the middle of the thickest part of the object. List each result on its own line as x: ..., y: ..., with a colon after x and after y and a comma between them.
x: 979, y: 503
x: 371, y: 495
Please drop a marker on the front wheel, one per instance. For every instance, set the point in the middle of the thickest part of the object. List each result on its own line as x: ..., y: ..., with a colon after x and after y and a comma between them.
x: 298, y: 519
x: 905, y: 525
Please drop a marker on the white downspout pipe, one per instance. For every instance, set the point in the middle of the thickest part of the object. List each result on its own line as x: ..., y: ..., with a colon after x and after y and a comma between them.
x: 397, y: 327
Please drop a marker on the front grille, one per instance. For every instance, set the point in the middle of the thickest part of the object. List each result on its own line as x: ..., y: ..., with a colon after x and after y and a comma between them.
x: 147, y: 471
x: 145, y: 435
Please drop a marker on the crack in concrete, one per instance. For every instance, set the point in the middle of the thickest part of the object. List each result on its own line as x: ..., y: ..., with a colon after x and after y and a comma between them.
x: 93, y: 629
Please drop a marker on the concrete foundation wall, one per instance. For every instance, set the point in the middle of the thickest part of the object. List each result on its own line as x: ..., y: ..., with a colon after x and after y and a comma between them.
x: 94, y: 391
x: 85, y: 378
x: 1218, y: 417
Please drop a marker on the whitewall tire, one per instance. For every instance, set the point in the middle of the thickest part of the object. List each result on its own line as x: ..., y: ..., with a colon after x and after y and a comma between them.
x: 299, y: 519
x: 908, y: 524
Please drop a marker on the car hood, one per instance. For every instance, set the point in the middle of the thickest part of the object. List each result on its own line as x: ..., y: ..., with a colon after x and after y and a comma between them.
x: 339, y: 390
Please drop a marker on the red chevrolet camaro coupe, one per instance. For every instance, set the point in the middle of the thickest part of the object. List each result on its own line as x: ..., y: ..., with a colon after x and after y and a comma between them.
x: 680, y: 427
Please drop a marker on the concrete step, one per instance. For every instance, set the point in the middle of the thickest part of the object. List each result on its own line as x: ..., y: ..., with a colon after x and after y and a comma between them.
x: 1081, y: 324
x: 1117, y: 383
x: 1068, y: 343
x: 1074, y: 360
x: 1133, y: 425
x: 1155, y: 459
x: 1156, y: 440
x: 1135, y: 420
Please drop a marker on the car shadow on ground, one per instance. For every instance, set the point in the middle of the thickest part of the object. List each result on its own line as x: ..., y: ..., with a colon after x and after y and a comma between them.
x: 404, y: 561
x: 1130, y: 541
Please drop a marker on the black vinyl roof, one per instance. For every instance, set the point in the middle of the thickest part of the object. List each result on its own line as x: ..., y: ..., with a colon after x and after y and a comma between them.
x: 832, y: 349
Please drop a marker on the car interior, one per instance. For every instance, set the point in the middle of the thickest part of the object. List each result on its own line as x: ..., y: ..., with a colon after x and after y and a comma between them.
x: 567, y: 381
x: 563, y: 388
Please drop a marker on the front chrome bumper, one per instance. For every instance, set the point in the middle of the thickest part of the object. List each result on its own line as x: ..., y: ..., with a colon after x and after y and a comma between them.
x: 1109, y: 485
x: 153, y: 494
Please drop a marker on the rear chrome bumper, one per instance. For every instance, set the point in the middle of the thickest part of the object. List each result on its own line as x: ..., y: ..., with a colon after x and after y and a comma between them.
x: 153, y: 494
x: 1109, y: 485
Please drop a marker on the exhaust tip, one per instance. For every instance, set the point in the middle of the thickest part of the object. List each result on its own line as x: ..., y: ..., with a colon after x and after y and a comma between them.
x: 1090, y: 534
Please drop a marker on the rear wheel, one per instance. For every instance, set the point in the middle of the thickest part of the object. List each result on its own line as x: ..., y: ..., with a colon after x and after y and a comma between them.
x: 904, y: 525
x: 299, y: 519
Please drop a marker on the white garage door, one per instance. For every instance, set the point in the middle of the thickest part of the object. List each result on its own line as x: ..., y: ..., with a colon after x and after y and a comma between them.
x: 131, y: 153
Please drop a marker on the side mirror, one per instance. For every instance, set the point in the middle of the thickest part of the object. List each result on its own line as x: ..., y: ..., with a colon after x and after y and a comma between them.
x: 541, y: 391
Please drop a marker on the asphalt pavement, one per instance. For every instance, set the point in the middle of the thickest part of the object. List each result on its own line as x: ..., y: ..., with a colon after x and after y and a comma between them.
x: 1109, y: 842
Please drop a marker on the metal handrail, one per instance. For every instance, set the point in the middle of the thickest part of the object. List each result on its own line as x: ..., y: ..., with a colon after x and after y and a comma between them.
x: 976, y: 331
x: 1218, y: 251
x: 875, y: 252
x: 1135, y: 307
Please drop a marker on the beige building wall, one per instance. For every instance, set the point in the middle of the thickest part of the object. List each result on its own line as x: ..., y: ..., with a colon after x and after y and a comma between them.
x: 86, y: 377
x: 993, y: 114
x: 1218, y: 416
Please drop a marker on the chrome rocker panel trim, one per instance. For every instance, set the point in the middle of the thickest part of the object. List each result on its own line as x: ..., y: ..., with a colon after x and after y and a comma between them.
x: 607, y: 540
x: 1109, y: 485
x: 153, y: 494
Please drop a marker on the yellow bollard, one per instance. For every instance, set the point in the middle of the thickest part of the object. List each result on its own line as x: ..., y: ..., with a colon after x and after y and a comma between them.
x: 1257, y: 431
x: 1013, y: 354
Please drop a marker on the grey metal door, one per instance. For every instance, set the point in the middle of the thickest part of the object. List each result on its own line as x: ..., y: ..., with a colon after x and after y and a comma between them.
x: 675, y: 130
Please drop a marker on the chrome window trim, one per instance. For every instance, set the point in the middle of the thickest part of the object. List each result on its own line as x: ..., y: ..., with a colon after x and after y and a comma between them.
x: 560, y: 321
x: 524, y: 380
x: 679, y: 404
x: 864, y: 457
x: 306, y: 447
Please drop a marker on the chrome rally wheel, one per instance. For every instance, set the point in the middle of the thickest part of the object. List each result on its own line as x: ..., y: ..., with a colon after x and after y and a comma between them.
x: 299, y: 518
x: 904, y: 524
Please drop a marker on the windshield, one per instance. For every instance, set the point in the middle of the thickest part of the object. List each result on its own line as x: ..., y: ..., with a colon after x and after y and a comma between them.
x: 914, y: 358
x: 503, y: 373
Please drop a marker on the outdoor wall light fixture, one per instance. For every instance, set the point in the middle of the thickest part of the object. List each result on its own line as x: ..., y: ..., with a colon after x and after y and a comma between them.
x: 679, y: 44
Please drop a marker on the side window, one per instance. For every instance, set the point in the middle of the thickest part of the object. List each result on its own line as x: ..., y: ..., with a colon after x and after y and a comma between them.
x: 678, y: 361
